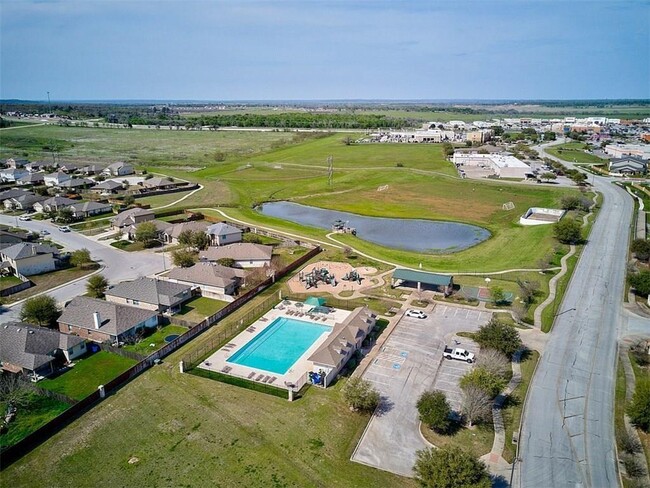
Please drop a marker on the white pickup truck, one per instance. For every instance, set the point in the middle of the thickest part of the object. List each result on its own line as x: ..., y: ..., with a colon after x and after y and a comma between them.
x: 459, y: 354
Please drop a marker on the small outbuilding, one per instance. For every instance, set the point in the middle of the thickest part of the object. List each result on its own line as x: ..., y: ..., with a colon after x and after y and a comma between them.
x: 423, y: 279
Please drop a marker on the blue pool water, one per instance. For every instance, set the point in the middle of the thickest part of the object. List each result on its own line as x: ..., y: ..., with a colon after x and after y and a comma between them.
x: 280, y: 345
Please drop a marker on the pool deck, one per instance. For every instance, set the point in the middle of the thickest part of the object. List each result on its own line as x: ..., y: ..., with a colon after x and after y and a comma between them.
x: 296, y: 375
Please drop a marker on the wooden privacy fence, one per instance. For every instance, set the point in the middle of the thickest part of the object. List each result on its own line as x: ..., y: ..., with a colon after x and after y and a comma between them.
x: 22, y: 447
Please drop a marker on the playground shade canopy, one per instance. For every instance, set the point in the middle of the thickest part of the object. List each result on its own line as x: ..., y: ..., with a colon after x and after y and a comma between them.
x: 315, y: 301
x: 422, y: 277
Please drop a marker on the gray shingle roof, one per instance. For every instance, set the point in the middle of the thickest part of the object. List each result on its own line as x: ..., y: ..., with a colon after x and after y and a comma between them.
x: 221, y: 229
x: 239, y: 252
x: 31, y: 178
x: 108, y: 185
x: 115, y: 318
x: 31, y: 347
x: 206, y: 274
x: 76, y: 182
x: 149, y: 290
x: 24, y: 250
x: 13, y: 193
x: 58, y: 202
x: 122, y: 218
x: 90, y: 206
x: 176, y: 229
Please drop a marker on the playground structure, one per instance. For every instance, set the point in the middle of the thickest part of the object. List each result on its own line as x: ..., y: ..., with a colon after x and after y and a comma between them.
x: 352, y: 276
x: 315, y: 276
x: 342, y: 227
x: 331, y: 277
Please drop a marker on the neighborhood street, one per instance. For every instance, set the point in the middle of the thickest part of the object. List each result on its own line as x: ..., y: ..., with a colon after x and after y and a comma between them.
x: 567, y: 436
x: 118, y: 265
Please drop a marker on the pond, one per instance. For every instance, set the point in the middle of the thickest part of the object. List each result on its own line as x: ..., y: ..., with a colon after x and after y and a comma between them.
x: 407, y: 234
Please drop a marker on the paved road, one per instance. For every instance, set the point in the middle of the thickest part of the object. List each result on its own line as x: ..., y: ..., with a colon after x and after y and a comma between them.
x: 567, y: 437
x: 118, y: 265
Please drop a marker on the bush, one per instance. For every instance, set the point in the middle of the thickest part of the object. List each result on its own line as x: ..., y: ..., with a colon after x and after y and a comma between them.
x: 450, y: 467
x: 80, y: 257
x: 568, y: 231
x: 41, y: 310
x: 481, y: 378
x: 639, y: 407
x: 630, y: 444
x: 183, y: 258
x: 500, y: 336
x: 641, y: 282
x: 633, y: 467
x: 641, y: 249
x: 359, y: 394
x: 570, y: 202
x: 434, y: 410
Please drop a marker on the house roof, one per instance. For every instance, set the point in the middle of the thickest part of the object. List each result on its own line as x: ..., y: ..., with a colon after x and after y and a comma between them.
x: 108, y: 185
x: 32, y: 177
x: 58, y: 202
x: 222, y: 228
x: 206, y: 274
x: 118, y: 165
x: 31, y: 347
x: 242, y: 251
x: 422, y: 277
x: 157, y: 181
x: 122, y: 218
x: 58, y: 175
x: 24, y: 250
x: 115, y: 318
x: 75, y: 182
x: 344, y: 337
x: 28, y: 199
x: 176, y: 229
x: 89, y: 206
x: 14, y: 192
x: 150, y: 290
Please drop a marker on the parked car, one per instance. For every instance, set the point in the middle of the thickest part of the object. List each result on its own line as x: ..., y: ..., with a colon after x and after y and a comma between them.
x: 24, y: 218
x: 44, y: 233
x: 458, y: 354
x: 64, y: 228
x: 417, y: 314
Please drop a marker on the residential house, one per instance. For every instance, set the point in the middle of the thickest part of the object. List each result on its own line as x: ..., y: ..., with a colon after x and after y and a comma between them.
x: 160, y: 226
x: 76, y: 184
x: 101, y: 321
x: 214, y: 280
x: 171, y: 233
x: 23, y: 202
x: 69, y: 167
x: 344, y: 340
x: 11, y: 175
x: 245, y: 254
x: 36, y: 351
x: 628, y: 165
x: 150, y: 293
x: 160, y: 183
x: 81, y: 210
x: 8, y: 239
x: 118, y: 169
x: 16, y: 163
x: 108, y: 187
x: 91, y: 169
x: 31, y: 179
x: 53, y: 204
x: 13, y: 192
x: 133, y: 216
x: 30, y: 259
x: 221, y: 234
x: 55, y: 179
x: 36, y: 166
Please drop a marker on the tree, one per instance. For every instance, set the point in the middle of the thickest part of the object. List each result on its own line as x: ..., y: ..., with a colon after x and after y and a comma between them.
x: 200, y: 240
x: 359, y: 394
x: 347, y: 141
x: 498, y: 295
x: 641, y: 282
x: 494, y: 362
x: 13, y: 392
x: 497, y: 130
x: 80, y: 258
x: 227, y: 262
x: 447, y: 149
x: 146, y: 233
x: 185, y: 238
x: 64, y: 215
x: 481, y: 378
x: 476, y: 405
x: 578, y: 178
x: 500, y: 336
x: 450, y: 467
x: 183, y: 258
x: 568, y: 231
x: 548, y: 176
x: 528, y: 290
x: 570, y: 202
x: 639, y: 407
x: 641, y: 249
x: 96, y: 286
x: 129, y: 200
x: 549, y: 135
x: 41, y: 310
x: 544, y: 263
x: 434, y: 410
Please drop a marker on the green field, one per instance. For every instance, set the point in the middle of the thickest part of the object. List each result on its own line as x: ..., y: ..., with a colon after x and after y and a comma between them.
x: 88, y: 374
x: 183, y: 430
x: 574, y: 152
x: 41, y: 410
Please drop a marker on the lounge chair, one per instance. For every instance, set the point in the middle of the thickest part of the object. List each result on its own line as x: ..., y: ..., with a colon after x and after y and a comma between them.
x: 251, y: 375
x: 266, y: 379
x: 259, y: 377
x: 273, y: 378
x: 226, y: 369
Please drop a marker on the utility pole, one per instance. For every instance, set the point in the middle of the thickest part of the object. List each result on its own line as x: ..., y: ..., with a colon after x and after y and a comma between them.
x: 49, y: 108
x: 330, y: 169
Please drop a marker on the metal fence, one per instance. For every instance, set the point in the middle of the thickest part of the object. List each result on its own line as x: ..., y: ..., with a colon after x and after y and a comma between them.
x: 22, y: 447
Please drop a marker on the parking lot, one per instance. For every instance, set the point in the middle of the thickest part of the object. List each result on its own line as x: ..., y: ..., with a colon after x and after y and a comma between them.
x: 409, y: 363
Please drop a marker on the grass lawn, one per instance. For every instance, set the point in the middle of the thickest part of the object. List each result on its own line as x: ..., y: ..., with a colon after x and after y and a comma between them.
x: 40, y: 411
x: 160, y: 200
x: 477, y: 440
x: 184, y: 430
x: 88, y: 374
x: 199, y: 308
x: 515, y: 404
x: 9, y: 281
x: 548, y: 314
x: 128, y: 246
x: 574, y: 152
x: 45, y: 281
x: 157, y: 338
x: 642, y: 374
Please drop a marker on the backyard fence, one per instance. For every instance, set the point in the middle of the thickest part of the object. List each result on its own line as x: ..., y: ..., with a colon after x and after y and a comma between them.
x: 48, y: 393
x: 28, y: 443
x: 177, y: 189
x: 122, y: 352
x: 15, y: 289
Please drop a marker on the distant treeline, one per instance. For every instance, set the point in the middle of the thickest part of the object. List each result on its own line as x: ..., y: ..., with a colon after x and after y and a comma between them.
x: 302, y: 120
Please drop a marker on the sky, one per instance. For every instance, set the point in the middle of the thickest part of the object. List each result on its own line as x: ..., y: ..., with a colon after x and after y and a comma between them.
x: 324, y: 50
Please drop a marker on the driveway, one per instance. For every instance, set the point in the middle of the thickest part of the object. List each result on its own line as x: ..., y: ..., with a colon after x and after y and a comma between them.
x: 407, y: 365
x: 118, y: 265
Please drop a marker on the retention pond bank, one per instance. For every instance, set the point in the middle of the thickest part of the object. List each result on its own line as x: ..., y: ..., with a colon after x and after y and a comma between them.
x: 406, y: 234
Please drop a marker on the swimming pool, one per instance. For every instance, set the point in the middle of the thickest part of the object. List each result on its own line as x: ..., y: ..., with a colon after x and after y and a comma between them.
x: 280, y: 345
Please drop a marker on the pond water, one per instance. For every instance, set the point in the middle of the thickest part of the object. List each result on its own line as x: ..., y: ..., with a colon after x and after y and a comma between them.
x: 407, y: 234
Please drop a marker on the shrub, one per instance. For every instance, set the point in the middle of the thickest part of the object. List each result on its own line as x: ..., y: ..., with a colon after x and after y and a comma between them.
x: 568, y: 231
x: 434, y: 410
x: 641, y: 249
x: 359, y: 394
x: 641, y: 282
x: 639, y: 407
x: 630, y: 443
x: 80, y: 257
x: 450, y: 467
